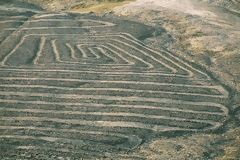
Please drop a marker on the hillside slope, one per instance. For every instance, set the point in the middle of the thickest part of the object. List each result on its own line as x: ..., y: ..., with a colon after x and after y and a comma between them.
x: 78, y: 5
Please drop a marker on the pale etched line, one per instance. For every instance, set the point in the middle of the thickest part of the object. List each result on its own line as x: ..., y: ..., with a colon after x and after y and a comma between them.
x: 148, y: 55
x: 112, y: 114
x: 119, y: 55
x: 118, y: 98
x: 90, y: 51
x: 131, y: 138
x: 62, y: 27
x: 108, y: 81
x: 116, y: 53
x: 18, y: 17
x: 150, y: 66
x: 27, y: 147
x: 49, y: 139
x: 223, y: 112
x: 49, y: 15
x: 74, y: 34
x: 138, y: 44
x: 101, y: 46
x: 111, y: 89
x: 10, y: 21
x: 44, y: 138
x: 13, y: 50
x: 104, y: 23
x: 100, y: 49
x: 84, y: 54
x: 127, y: 74
x: 122, y: 124
x: 136, y: 41
x: 73, y: 56
x: 57, y: 54
x: 143, y: 46
x: 94, y: 53
x: 190, y: 73
x: 174, y: 57
x: 90, y: 64
x: 155, y: 59
x: 106, y: 54
x: 91, y: 71
x: 41, y: 46
x: 72, y: 51
x: 116, y: 82
x: 81, y: 152
x: 47, y: 149
x: 10, y: 29
x: 55, y: 50
x: 94, y: 67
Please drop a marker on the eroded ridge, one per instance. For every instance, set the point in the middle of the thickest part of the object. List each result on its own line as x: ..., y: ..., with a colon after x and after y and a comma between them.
x: 94, y: 92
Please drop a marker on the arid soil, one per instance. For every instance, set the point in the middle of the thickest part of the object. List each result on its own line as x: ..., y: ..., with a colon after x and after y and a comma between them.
x: 137, y: 80
x: 207, y: 34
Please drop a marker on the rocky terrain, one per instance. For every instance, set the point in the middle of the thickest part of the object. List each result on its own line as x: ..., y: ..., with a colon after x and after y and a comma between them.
x: 147, y: 79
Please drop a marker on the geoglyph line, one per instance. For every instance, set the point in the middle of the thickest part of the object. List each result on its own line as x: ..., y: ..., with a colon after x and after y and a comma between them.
x: 55, y: 50
x: 72, y: 51
x: 136, y: 42
x: 150, y: 66
x: 119, y: 55
x: 108, y: 114
x: 133, y: 140
x: 84, y: 54
x: 123, y: 124
x: 13, y: 50
x: 10, y: 21
x: 106, y: 54
x: 118, y: 98
x: 174, y: 57
x: 94, y: 53
x: 119, y: 47
x: 109, y: 89
x: 38, y: 54
x: 219, y: 88
x: 101, y: 24
x: 224, y: 111
x: 174, y: 70
x: 129, y: 137
x: 34, y: 69
x: 63, y: 150
x: 150, y: 56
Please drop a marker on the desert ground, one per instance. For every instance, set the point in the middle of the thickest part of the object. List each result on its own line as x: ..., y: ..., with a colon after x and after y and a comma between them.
x: 144, y: 79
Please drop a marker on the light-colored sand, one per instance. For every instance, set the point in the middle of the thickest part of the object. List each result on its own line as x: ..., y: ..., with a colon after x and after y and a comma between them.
x: 185, y: 6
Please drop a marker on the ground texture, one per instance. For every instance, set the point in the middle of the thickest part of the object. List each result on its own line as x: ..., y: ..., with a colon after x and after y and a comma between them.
x: 85, y: 86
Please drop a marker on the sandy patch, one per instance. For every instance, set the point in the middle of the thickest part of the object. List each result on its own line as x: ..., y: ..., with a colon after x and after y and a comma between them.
x: 185, y: 6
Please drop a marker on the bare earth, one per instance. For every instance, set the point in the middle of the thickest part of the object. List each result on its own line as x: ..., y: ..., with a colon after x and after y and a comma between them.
x: 149, y: 79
